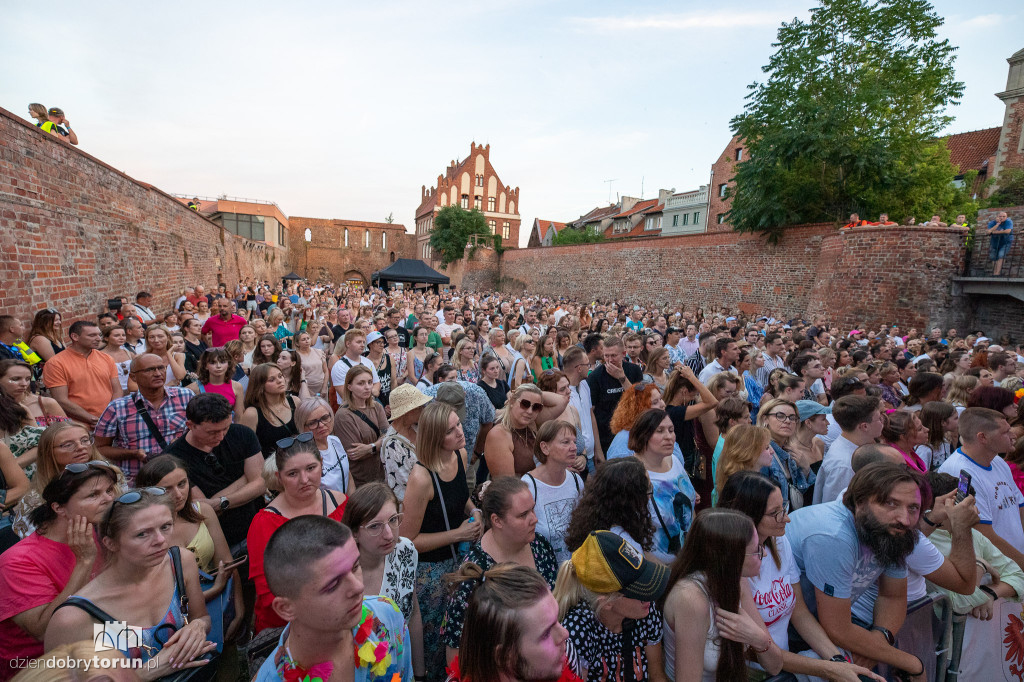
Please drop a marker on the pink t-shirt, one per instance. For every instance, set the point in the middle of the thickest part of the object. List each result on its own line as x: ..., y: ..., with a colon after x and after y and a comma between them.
x: 32, y: 573
x: 223, y: 331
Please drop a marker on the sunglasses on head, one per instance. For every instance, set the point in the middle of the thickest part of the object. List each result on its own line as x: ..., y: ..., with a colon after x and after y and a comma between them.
x: 133, y: 496
x: 82, y: 467
x: 286, y: 443
x: 528, y: 404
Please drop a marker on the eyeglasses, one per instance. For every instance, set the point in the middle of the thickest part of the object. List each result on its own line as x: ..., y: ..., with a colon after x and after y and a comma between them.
x: 322, y: 421
x: 81, y: 467
x: 214, y: 463
x: 759, y: 553
x: 377, y: 527
x: 530, y: 405
x: 780, y: 514
x: 133, y: 496
x: 286, y: 443
x: 72, y: 445
x: 783, y: 417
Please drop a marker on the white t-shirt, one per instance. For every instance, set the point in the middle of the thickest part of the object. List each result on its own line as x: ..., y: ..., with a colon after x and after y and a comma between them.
x: 342, y: 366
x: 925, y: 559
x: 335, y: 466
x: 998, y: 498
x: 448, y: 330
x: 579, y: 397
x: 835, y: 472
x: 774, y: 592
x: 554, y: 507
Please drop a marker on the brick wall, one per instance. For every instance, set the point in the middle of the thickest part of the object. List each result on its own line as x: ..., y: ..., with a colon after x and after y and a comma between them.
x: 479, y: 272
x: 722, y: 172
x: 75, y: 232
x: 327, y: 258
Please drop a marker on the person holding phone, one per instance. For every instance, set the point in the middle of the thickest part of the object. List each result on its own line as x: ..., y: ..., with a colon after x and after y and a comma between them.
x: 1000, y: 231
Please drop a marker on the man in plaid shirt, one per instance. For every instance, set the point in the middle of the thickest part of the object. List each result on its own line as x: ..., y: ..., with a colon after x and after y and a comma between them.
x: 122, y: 434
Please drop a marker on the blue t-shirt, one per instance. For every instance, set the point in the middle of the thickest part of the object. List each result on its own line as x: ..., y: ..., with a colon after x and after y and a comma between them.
x: 1001, y: 240
x: 830, y: 556
x: 620, y: 448
x: 390, y: 627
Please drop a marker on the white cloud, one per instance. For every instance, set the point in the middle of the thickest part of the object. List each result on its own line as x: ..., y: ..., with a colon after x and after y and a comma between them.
x: 982, y: 21
x: 675, y: 22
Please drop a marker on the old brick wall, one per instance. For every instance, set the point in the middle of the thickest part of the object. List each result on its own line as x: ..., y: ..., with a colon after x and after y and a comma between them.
x: 75, y: 232
x: 327, y: 258
x: 722, y: 172
x: 477, y: 272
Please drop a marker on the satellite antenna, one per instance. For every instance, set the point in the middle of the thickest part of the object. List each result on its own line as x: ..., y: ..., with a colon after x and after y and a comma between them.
x: 610, y: 188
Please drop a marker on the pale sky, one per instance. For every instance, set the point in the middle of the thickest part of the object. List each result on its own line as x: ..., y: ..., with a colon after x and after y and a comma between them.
x: 344, y: 110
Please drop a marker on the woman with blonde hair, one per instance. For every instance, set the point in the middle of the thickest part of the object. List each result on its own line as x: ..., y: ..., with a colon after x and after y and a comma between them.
x: 781, y: 418
x: 277, y: 326
x: 657, y: 367
x: 747, y: 448
x: 158, y: 342
x: 465, y: 362
x: 510, y: 442
x: 521, y: 371
x: 438, y: 515
x: 960, y: 391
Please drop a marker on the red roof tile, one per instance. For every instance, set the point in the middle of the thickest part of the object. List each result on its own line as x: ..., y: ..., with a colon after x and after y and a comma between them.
x: 971, y: 151
x: 638, y: 207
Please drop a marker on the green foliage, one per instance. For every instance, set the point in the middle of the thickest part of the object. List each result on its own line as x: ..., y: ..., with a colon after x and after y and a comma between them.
x: 570, y: 236
x: 847, y: 119
x: 390, y: 219
x: 453, y: 227
x: 1009, y: 189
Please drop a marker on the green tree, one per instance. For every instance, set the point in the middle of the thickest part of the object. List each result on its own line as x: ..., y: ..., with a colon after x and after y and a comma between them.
x: 848, y: 117
x: 570, y: 236
x: 453, y: 227
x: 1009, y: 189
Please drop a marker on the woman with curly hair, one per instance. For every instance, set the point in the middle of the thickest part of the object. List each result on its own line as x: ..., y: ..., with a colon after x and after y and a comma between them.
x: 616, y: 499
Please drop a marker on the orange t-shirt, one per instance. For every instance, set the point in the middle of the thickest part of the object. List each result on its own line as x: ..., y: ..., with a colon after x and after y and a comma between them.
x: 87, y: 378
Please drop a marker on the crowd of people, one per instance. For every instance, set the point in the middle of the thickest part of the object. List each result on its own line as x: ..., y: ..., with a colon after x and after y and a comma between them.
x: 343, y: 483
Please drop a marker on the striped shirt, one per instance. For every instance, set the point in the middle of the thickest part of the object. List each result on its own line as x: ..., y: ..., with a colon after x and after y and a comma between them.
x: 769, y: 365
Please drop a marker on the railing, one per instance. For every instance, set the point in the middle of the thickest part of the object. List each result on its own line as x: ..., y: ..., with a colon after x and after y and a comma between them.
x: 225, y: 197
x: 977, y: 263
x: 695, y: 198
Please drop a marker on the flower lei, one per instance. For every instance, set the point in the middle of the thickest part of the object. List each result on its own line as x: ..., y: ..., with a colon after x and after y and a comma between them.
x: 373, y: 655
x: 290, y: 671
x: 1018, y: 395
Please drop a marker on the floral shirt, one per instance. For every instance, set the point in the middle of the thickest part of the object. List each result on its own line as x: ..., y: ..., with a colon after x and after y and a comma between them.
x: 398, y: 454
x: 458, y: 602
x: 382, y: 649
x: 399, y: 582
x: 600, y: 650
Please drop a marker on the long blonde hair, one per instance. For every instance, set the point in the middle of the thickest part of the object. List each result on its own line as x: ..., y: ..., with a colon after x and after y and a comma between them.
x: 506, y: 417
x: 569, y: 592
x: 743, y: 445
x: 47, y: 468
x: 430, y: 433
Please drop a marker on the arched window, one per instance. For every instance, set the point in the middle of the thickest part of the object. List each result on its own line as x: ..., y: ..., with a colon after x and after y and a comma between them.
x: 308, y: 235
x: 346, y: 237
x: 384, y: 241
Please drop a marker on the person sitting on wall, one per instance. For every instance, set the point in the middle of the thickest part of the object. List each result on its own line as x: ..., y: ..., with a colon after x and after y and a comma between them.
x: 883, y: 220
x: 855, y: 221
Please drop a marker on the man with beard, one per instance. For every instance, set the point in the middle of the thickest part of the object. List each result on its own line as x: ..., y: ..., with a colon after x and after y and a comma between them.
x: 843, y: 547
x: 511, y: 633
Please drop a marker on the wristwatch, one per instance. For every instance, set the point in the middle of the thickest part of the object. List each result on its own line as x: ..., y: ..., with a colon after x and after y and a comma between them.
x: 889, y: 637
x: 839, y: 658
x: 224, y: 503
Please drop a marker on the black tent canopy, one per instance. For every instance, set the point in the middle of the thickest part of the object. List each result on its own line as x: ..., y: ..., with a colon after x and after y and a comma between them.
x: 409, y: 270
x: 292, y: 276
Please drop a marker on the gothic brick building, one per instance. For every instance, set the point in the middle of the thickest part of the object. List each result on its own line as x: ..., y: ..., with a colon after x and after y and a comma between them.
x: 337, y: 250
x: 471, y: 183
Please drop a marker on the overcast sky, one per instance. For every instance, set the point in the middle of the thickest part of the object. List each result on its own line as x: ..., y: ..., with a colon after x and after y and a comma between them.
x: 344, y: 110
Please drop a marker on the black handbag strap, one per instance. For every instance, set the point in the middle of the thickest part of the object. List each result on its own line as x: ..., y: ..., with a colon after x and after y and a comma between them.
x: 444, y: 510
x: 368, y: 422
x: 179, y: 582
x: 150, y: 424
x: 96, y: 612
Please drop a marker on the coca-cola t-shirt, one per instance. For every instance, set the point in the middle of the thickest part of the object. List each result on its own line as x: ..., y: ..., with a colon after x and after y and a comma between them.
x: 773, y: 591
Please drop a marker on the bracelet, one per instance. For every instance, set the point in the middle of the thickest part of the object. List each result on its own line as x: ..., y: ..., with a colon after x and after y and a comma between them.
x: 989, y: 591
x: 761, y: 651
x: 924, y: 517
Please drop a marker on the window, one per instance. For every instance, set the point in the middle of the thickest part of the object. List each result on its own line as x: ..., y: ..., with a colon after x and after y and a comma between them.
x: 384, y: 241
x: 366, y: 239
x: 478, y: 203
x: 465, y: 201
x: 280, y: 234
x: 686, y: 219
x: 721, y: 218
x: 479, y: 181
x: 739, y: 154
x: 248, y: 226
x: 653, y: 223
x: 308, y: 235
x: 696, y: 217
x: 346, y: 237
x: 721, y: 190
x: 506, y: 230
x: 493, y: 226
x: 675, y: 220
x: 491, y: 203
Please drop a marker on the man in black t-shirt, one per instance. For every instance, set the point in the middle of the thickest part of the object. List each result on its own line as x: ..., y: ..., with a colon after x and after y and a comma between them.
x: 607, y: 383
x: 224, y: 463
x: 394, y: 317
x: 344, y: 323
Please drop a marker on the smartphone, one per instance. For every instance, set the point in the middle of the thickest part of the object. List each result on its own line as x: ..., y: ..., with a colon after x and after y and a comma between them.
x: 235, y: 563
x: 963, y: 486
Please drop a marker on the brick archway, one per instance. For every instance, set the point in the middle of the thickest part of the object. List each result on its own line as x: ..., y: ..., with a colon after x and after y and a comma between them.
x: 354, y: 276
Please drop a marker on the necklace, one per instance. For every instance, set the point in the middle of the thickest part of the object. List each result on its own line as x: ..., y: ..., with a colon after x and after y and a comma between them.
x: 524, y: 436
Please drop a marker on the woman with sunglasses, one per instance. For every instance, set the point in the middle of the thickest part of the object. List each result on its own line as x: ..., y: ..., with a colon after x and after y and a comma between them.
x: 216, y: 366
x: 314, y: 415
x: 140, y: 585
x: 388, y: 560
x: 521, y: 371
x: 781, y: 417
x: 60, y: 444
x: 776, y: 587
x: 510, y: 442
x: 297, y: 469
x: 40, y: 572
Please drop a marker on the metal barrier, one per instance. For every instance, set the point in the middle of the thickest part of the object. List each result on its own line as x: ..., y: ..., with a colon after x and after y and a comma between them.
x: 977, y: 263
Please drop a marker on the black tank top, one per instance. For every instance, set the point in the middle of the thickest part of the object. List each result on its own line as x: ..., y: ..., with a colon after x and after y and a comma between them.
x: 269, y: 433
x: 455, y: 493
